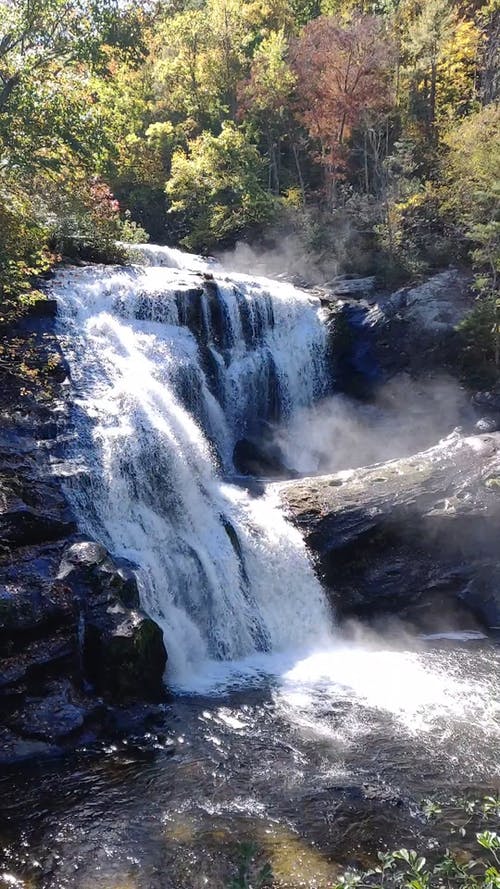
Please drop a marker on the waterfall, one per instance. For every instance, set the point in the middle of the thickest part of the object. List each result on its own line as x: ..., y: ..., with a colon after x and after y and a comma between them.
x: 171, y: 363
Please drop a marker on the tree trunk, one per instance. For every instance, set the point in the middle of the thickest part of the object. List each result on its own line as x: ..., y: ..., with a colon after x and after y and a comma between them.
x: 432, y: 103
x: 365, y: 154
x: 299, y: 173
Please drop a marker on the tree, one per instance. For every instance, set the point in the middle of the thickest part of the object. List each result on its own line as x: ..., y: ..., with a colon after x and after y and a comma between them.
x: 472, y: 182
x: 217, y: 186
x: 38, y: 33
x: 266, y: 98
x: 185, y: 92
x: 231, y: 37
x: 457, y: 74
x: 489, y: 61
x: 48, y: 52
x: 428, y: 34
x: 343, y: 72
x: 472, y: 197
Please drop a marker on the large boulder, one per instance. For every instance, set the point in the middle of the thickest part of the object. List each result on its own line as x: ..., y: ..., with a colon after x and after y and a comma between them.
x: 409, y: 535
x: 413, y: 329
x: 123, y: 651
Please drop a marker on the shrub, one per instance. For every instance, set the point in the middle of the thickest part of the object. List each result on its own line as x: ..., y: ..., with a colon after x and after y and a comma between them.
x: 85, y: 223
x: 478, y: 357
x: 415, y: 236
x: 217, y: 188
x: 472, y: 860
x: 23, y: 245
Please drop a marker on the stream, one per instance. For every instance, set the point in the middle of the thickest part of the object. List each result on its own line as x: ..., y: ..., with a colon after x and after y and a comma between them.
x: 318, y: 761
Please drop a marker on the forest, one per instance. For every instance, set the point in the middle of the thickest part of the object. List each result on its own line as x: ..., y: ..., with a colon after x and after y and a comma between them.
x: 365, y: 132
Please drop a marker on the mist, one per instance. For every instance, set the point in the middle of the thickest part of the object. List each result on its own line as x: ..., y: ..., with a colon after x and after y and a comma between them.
x: 288, y: 258
x: 407, y: 416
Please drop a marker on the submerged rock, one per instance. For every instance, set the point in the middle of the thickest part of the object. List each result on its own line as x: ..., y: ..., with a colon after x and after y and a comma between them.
x: 54, y: 715
x: 408, y: 535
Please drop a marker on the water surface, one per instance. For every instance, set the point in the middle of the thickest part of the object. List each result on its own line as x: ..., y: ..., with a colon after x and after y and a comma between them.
x: 318, y: 759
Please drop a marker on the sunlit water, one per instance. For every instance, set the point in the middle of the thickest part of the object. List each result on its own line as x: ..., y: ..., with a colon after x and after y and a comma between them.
x: 282, y: 732
x: 320, y: 761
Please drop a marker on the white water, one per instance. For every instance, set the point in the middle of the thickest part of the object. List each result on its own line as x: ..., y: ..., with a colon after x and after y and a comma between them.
x: 168, y: 370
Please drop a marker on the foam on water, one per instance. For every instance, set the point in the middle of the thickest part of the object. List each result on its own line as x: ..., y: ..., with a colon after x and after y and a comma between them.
x: 339, y: 693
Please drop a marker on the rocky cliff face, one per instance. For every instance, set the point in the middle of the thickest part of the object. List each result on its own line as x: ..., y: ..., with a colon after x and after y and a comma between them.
x: 416, y: 536
x: 74, y: 644
x: 414, y: 330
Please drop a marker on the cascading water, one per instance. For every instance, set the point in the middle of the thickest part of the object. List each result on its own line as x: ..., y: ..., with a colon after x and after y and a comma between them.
x: 170, y: 365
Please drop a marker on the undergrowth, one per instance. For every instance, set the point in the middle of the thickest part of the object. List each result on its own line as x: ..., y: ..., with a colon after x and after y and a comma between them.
x: 464, y: 855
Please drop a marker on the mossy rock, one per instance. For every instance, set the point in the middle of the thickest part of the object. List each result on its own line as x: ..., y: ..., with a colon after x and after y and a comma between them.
x: 127, y: 662
x: 493, y: 483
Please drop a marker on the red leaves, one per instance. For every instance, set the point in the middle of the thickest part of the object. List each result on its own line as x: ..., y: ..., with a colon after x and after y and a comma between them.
x: 342, y: 73
x: 102, y: 200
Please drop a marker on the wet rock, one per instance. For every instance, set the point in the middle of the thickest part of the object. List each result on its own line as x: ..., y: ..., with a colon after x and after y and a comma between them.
x: 261, y: 459
x: 125, y: 657
x: 413, y: 329
x: 43, y: 308
x: 22, y: 610
x: 25, y: 526
x: 14, y: 749
x: 51, y: 717
x: 418, y: 532
x: 488, y: 402
x: 488, y: 405
x: 36, y: 657
x: 123, y: 651
x: 487, y: 424
x: 354, y: 288
x: 88, y: 565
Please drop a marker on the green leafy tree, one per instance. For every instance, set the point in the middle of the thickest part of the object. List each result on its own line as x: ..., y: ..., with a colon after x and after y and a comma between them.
x: 217, y: 187
x: 36, y: 34
x: 266, y: 98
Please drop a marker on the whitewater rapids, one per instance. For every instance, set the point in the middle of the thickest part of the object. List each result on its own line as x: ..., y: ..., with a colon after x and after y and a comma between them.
x: 172, y: 363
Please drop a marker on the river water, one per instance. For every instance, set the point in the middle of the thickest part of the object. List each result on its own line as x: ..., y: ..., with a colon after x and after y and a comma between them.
x: 319, y: 761
x: 313, y: 745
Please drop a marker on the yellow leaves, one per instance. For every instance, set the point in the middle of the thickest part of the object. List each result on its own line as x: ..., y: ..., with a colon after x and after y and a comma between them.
x: 293, y: 197
x: 475, y: 148
x: 160, y: 131
x: 463, y: 44
x: 457, y: 70
x: 131, y: 139
x: 268, y: 15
